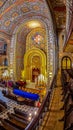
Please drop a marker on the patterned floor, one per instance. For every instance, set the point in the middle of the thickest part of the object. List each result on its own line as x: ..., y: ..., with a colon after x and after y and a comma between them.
x: 51, y: 120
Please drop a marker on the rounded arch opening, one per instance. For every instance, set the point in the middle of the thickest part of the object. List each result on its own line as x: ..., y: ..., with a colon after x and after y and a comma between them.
x: 66, y: 63
x: 50, y: 44
x: 34, y: 64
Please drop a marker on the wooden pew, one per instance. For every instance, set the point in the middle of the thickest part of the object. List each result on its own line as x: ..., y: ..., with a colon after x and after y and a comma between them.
x: 2, y: 108
x: 7, y: 125
x: 17, y: 111
x: 69, y: 119
x: 2, y: 128
x: 3, y: 103
x: 25, y: 101
x: 18, y: 121
x: 11, y: 96
x: 70, y: 127
x: 21, y: 117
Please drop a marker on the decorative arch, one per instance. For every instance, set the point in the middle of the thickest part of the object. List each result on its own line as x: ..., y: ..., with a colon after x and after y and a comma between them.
x: 14, y: 46
x: 66, y: 63
x: 51, y: 42
x: 29, y: 65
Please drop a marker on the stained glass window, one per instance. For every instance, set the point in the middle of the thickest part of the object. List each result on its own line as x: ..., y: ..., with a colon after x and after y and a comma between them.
x: 37, y: 38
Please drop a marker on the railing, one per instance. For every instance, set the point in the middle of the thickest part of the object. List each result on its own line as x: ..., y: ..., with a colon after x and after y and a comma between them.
x: 36, y: 121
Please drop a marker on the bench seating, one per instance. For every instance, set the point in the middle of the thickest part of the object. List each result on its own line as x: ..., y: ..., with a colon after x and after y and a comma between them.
x: 17, y: 120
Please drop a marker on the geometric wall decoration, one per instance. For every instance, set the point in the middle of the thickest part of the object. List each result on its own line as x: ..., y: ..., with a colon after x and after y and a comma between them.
x: 15, y: 14
x: 24, y: 9
x: 7, y: 23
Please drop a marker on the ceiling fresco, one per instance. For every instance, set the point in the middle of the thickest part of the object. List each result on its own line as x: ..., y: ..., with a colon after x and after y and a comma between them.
x: 14, y: 11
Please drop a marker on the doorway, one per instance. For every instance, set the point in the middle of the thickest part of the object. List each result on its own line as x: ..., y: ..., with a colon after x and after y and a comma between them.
x: 35, y: 74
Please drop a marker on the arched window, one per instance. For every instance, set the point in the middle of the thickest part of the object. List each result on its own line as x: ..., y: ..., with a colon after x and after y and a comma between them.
x: 66, y: 63
x: 5, y: 48
x: 5, y: 62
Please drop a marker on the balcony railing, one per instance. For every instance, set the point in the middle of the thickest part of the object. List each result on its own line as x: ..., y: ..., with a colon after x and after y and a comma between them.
x: 36, y: 121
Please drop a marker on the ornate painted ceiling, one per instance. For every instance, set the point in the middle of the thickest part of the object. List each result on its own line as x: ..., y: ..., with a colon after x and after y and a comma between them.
x: 14, y: 12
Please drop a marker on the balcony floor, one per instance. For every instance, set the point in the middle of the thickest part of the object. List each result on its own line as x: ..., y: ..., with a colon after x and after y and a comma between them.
x: 51, y: 119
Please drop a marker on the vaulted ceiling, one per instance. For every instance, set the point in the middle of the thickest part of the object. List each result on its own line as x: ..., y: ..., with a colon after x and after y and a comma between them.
x: 13, y: 12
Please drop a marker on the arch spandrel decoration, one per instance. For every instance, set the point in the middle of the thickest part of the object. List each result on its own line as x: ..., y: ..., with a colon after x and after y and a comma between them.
x: 30, y: 42
x: 28, y: 64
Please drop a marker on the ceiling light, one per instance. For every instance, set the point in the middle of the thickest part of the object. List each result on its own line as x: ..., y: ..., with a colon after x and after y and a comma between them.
x: 34, y: 24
